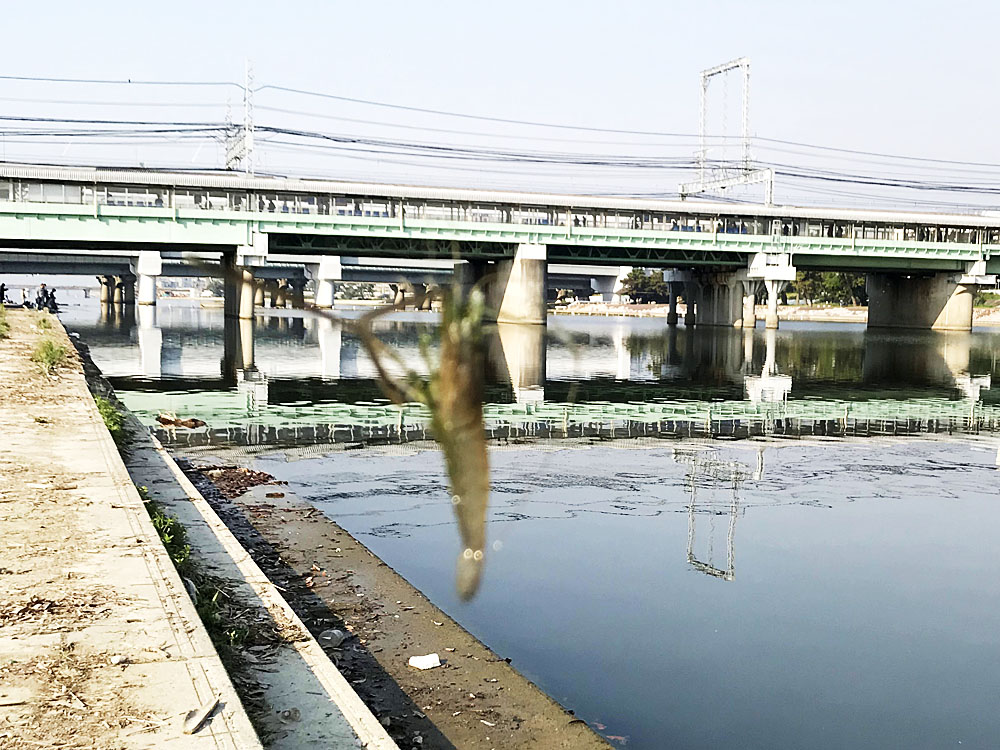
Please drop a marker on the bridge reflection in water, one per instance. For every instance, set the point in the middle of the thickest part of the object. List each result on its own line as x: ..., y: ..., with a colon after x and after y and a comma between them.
x: 285, y: 378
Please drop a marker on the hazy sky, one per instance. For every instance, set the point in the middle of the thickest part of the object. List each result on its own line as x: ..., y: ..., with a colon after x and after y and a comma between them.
x: 918, y: 78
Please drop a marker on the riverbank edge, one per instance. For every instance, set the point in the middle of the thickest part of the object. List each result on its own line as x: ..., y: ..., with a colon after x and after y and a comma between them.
x: 216, y: 550
x: 165, y: 657
x: 404, y: 700
x: 477, y: 700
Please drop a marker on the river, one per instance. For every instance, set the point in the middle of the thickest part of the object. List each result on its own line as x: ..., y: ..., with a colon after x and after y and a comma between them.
x: 683, y: 547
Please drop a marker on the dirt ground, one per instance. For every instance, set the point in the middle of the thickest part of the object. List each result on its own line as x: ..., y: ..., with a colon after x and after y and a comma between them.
x: 476, y: 700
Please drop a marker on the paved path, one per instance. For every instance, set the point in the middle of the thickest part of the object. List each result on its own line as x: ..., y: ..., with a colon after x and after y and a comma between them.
x: 100, y: 646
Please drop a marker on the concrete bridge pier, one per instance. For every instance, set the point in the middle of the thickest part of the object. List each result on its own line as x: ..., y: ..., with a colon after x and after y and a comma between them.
x: 611, y: 289
x: 774, y: 288
x: 281, y: 299
x: 258, y: 293
x: 106, y: 283
x: 148, y: 267
x: 690, y: 295
x: 675, y: 288
x: 271, y: 293
x: 517, y: 293
x: 326, y: 274
x: 939, y: 302
x: 297, y: 293
x: 118, y: 290
x: 240, y: 289
x: 775, y: 270
x: 750, y: 288
x: 721, y: 295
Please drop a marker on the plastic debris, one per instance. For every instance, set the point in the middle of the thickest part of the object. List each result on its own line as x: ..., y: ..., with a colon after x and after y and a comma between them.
x: 333, y: 637
x: 428, y: 661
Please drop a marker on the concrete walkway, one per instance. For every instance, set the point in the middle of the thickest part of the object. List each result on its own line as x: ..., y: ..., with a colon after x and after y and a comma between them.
x: 100, y: 646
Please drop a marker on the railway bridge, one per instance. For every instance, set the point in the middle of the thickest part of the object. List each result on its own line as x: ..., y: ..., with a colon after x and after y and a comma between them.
x: 922, y: 267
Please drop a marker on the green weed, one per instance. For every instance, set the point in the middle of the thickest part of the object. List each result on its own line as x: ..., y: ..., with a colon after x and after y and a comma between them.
x: 43, y: 321
x: 114, y: 420
x: 171, y: 533
x: 48, y: 355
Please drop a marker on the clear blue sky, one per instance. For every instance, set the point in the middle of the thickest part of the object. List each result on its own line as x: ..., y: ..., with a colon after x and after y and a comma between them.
x: 916, y: 78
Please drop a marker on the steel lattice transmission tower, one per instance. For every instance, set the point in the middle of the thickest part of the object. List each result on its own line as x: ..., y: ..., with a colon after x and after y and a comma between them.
x: 239, y: 141
x: 709, y: 180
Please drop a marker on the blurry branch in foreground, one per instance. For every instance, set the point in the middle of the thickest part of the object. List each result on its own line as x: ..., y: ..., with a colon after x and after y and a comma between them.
x: 453, y: 392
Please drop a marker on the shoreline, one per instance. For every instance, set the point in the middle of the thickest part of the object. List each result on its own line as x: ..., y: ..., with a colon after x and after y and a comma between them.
x: 981, y: 316
x: 475, y: 700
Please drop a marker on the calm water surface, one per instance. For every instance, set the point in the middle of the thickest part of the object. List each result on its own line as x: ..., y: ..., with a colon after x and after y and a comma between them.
x: 818, y: 593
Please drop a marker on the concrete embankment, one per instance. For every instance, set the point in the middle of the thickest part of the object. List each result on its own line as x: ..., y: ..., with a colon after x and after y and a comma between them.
x: 264, y: 550
x: 475, y: 701
x: 100, y: 645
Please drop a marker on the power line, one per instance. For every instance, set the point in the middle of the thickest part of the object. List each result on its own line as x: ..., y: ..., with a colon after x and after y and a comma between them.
x: 127, y: 82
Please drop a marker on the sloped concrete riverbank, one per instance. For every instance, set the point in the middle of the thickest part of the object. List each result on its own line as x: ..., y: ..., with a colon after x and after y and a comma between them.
x: 100, y: 645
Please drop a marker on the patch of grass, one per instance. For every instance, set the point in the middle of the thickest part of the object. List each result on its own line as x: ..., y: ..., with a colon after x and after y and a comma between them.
x: 49, y: 355
x: 4, y: 325
x: 114, y: 420
x: 43, y: 321
x: 171, y: 532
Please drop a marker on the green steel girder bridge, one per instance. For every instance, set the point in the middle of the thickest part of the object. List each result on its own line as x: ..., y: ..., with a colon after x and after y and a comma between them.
x: 922, y: 266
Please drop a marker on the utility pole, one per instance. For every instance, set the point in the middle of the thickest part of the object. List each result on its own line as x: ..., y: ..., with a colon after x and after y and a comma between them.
x: 746, y: 175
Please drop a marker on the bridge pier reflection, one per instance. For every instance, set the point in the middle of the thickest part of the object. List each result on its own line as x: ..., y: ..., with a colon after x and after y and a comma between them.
x: 516, y: 352
x: 238, y: 348
x: 150, y: 343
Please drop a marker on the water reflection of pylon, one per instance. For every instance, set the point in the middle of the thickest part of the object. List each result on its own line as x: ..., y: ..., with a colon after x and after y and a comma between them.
x: 732, y: 472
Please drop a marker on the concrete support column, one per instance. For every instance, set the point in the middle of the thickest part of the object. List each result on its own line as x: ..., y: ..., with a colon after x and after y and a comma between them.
x: 327, y: 273
x: 147, y: 290
x: 325, y: 291
x: 258, y: 293
x: 774, y: 288
x: 619, y: 285
x: 148, y: 267
x: 750, y: 304
x: 297, y: 293
x: 128, y: 289
x: 106, y: 283
x: 938, y: 302
x: 518, y: 292
x: 672, y: 311
x: 118, y: 294
x: 282, y: 297
x: 246, y: 294
x: 427, y: 303
x: 690, y: 293
x: 271, y: 293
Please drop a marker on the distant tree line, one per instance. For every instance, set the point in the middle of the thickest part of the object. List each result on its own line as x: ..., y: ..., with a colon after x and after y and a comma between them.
x: 810, y: 287
x: 830, y: 288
